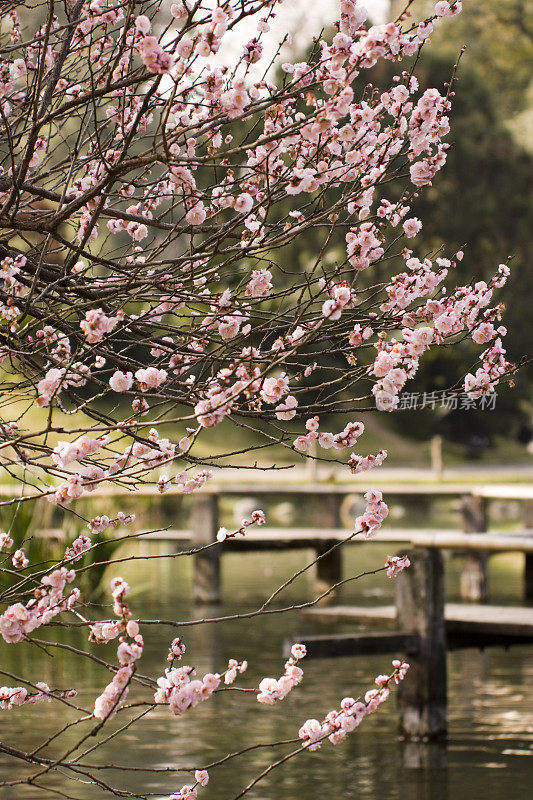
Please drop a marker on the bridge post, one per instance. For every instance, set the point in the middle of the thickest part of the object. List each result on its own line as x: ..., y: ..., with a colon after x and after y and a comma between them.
x: 420, y: 610
x: 474, y: 575
x: 206, y: 564
x: 329, y: 568
x: 528, y: 557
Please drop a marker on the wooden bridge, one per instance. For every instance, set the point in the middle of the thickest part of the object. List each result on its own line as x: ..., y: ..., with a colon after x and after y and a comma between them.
x: 324, y: 539
x: 424, y: 627
x: 473, y: 542
x: 421, y: 625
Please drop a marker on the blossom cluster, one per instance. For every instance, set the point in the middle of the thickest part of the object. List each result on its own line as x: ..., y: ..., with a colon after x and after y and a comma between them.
x: 19, y: 559
x: 257, y: 517
x: 375, y: 512
x: 341, y: 141
x: 66, y: 452
x: 346, y: 438
x: 339, y: 722
x: 181, y: 691
x: 188, y: 791
x: 271, y: 690
x: 436, y: 321
x: 395, y: 565
x: 49, y: 600
x: 176, y: 650
x: 102, y: 521
x: 6, y: 542
x: 129, y: 650
x: 12, y: 696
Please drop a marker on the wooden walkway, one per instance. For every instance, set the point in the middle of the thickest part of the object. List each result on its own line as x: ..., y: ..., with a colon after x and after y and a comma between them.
x: 423, y: 627
x: 461, y: 618
x: 496, y: 491
x: 265, y: 538
x: 327, y: 497
x: 475, y: 547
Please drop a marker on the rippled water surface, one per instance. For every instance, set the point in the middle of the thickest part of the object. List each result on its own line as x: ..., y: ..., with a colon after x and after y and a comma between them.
x: 488, y: 755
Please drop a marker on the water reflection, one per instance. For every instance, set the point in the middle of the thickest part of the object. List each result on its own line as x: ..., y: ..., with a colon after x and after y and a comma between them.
x: 489, y: 753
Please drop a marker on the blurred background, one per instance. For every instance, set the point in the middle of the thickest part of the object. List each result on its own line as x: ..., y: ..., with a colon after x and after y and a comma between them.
x: 482, y: 202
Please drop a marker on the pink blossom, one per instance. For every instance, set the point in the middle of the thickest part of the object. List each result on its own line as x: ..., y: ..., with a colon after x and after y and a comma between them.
x: 49, y: 385
x: 79, y: 546
x: 153, y: 56
x: 395, y: 564
x: 196, y: 215
x: 222, y: 534
x: 259, y: 284
x: 442, y: 8
x: 176, y: 650
x: 121, y: 381
x: 6, y: 542
x: 272, y: 690
x: 19, y: 559
x: 143, y: 24
x: 243, y: 203
x: 105, y: 705
x: 274, y: 388
x: 230, y: 325
x: 483, y: 333
x: 96, y: 324
x: 179, y: 10
x: 150, y: 378
x: 421, y: 173
x: 298, y: 651
x: 287, y: 409
x: 180, y: 691
x: 412, y: 227
x: 201, y: 776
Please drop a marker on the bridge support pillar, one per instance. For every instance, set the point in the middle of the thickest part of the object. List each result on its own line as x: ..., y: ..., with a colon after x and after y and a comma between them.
x: 420, y: 610
x: 329, y: 567
x: 206, y: 563
x: 474, y: 575
x: 528, y: 565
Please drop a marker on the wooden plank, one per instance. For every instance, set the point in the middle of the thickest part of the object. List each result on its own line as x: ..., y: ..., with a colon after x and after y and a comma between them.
x: 360, y: 614
x: 496, y: 491
x: 166, y: 536
x: 459, y: 637
x: 51, y: 534
x: 356, y: 644
x: 341, y: 488
x: 461, y: 618
x: 521, y: 541
x: 274, y: 538
x: 506, y: 491
x: 491, y: 491
x: 506, y: 620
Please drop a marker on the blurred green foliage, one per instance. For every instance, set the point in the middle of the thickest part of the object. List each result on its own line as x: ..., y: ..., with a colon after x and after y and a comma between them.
x: 482, y: 202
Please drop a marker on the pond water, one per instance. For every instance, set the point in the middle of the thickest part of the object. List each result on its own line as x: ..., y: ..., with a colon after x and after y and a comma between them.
x: 488, y: 754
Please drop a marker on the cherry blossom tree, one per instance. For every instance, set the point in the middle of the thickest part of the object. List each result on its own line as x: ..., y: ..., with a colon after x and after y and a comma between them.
x: 148, y: 191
